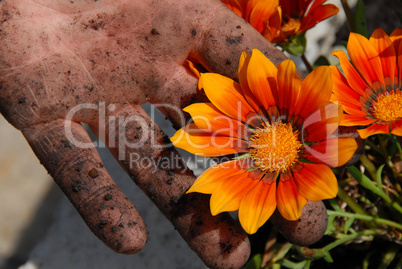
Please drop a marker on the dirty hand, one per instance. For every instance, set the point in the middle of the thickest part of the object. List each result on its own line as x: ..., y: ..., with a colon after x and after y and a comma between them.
x: 65, y: 62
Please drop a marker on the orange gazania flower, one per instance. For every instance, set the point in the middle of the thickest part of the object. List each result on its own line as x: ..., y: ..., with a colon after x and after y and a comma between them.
x: 278, y: 20
x: 370, y: 91
x: 281, y: 131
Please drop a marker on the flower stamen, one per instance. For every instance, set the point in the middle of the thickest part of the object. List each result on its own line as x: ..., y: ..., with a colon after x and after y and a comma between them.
x: 388, y: 106
x: 274, y: 148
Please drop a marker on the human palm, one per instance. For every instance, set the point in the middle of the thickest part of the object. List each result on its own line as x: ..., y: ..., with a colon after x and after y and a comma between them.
x: 63, y: 63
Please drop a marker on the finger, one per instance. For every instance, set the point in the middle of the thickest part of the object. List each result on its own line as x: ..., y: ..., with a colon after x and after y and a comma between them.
x: 68, y: 154
x: 158, y: 170
x: 223, y: 41
x: 308, y: 229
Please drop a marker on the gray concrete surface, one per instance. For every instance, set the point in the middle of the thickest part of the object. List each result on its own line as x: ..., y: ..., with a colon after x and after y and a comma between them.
x: 23, y: 185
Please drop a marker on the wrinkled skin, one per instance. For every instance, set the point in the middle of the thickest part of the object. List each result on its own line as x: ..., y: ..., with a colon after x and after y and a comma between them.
x: 55, y: 55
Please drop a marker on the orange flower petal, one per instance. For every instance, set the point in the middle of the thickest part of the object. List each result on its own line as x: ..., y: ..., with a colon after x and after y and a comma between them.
x: 323, y: 122
x: 273, y: 29
x: 332, y: 151
x: 290, y: 201
x: 352, y: 76
x: 257, y: 206
x: 226, y: 95
x: 201, y: 143
x: 235, y: 6
x: 193, y: 70
x: 211, y: 178
x: 396, y: 38
x: 228, y: 195
x: 303, y: 4
x: 317, y: 14
x: 365, y: 59
x: 261, y: 13
x: 316, y: 182
x: 383, y: 45
x: 248, y: 95
x: 289, y: 85
x: 353, y: 110
x: 376, y: 128
x: 261, y: 77
x: 210, y: 119
x: 346, y: 95
x: 316, y: 89
x: 396, y: 127
x: 349, y: 120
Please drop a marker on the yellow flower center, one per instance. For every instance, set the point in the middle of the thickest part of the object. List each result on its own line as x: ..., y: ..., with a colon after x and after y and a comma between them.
x: 388, y: 106
x: 274, y: 148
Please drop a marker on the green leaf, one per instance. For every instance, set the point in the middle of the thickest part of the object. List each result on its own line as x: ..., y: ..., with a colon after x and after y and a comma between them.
x: 379, y: 178
x: 296, y: 45
x: 255, y: 262
x: 330, y: 226
x: 348, y: 223
x: 359, y: 20
x: 366, y: 182
x: 333, y: 202
x: 328, y: 257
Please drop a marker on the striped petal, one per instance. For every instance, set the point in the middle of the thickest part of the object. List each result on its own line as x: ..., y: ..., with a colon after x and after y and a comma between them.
x: 365, y: 59
x: 226, y: 95
x: 323, y: 122
x: 290, y: 201
x: 289, y: 86
x: 201, y: 143
x: 228, y: 195
x: 352, y: 76
x: 396, y: 38
x: 350, y: 120
x: 376, y: 128
x: 396, y: 127
x: 316, y: 182
x: 248, y: 95
x: 261, y: 78
x: 257, y: 206
x: 346, y: 96
x: 333, y: 152
x: 211, y: 178
x: 210, y: 119
x: 316, y: 89
x: 383, y: 45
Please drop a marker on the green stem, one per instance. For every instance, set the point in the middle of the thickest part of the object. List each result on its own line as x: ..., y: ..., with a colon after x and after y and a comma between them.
x: 369, y: 166
x: 350, y: 202
x: 307, y: 63
x: 348, y: 13
x: 348, y: 238
x: 318, y: 253
x: 377, y: 220
x: 282, y: 252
